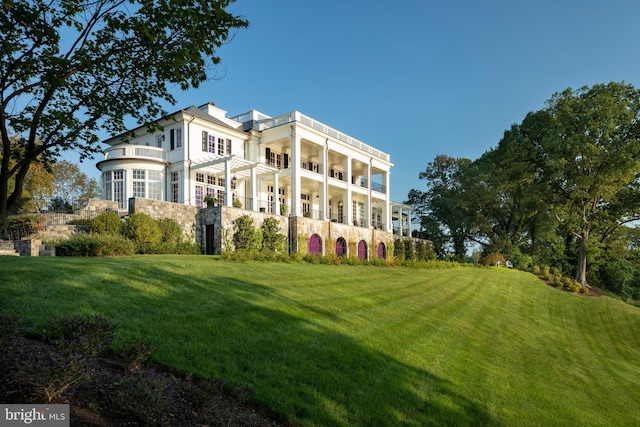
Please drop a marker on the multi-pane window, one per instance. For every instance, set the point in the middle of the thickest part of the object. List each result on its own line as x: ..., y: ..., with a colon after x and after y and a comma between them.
x: 306, y: 202
x: 118, y: 188
x: 179, y: 138
x: 211, y: 147
x: 139, y: 184
x: 154, y: 185
x: 199, y: 177
x: 159, y: 140
x: 108, y: 187
x: 275, y: 159
x: 220, y: 147
x: 199, y: 196
x: 175, y: 189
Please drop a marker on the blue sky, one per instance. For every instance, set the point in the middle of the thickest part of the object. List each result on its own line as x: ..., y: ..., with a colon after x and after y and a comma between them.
x: 418, y: 78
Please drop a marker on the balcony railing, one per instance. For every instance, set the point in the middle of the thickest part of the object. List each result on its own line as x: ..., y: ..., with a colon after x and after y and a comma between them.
x: 296, y: 116
x: 133, y: 151
x: 312, y: 166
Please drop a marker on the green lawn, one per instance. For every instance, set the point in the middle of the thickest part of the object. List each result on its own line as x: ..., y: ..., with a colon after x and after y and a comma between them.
x: 342, y: 345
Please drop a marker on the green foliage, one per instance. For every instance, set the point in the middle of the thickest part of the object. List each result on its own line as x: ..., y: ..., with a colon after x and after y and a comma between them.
x: 409, y: 250
x: 245, y: 235
x: 556, y: 189
x: 494, y: 259
x: 398, y: 250
x: 94, y: 245
x: 272, y: 240
x: 622, y: 277
x: 107, y: 223
x: 170, y: 231
x: 80, y: 71
x: 21, y: 226
x: 143, y: 230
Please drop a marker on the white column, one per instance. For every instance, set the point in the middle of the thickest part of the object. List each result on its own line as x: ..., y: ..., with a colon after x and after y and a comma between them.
x: 349, y: 198
x: 227, y: 184
x: 295, y: 173
x: 276, y: 193
x: 323, y: 202
x: 254, y: 187
x: 386, y: 212
x: 367, y: 207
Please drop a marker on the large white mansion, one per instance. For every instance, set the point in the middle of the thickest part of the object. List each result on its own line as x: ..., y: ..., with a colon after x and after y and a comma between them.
x: 287, y: 165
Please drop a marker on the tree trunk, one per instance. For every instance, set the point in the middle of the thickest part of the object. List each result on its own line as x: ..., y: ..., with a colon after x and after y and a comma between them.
x: 581, y: 268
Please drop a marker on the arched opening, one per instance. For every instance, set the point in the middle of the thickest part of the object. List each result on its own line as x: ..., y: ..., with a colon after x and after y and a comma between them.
x: 362, y: 250
x: 315, y: 245
x: 341, y: 247
x: 382, y: 251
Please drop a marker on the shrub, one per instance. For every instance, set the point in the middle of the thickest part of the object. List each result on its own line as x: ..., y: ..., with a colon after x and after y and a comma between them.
x: 409, y: 252
x: 272, y: 240
x: 107, y: 223
x: 245, y: 236
x: 494, y: 258
x: 574, y: 287
x: 170, y: 231
x: 557, y: 282
x: 94, y: 245
x: 566, y: 281
x: 143, y: 230
x: 398, y: 250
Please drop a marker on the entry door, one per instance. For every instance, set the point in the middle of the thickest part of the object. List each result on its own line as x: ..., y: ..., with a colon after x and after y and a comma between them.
x: 210, y: 247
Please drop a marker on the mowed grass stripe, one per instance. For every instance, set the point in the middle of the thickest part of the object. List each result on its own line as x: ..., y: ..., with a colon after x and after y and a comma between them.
x: 342, y: 345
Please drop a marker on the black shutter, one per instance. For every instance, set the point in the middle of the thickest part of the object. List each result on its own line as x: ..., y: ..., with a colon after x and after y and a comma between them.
x: 172, y: 138
x: 267, y: 155
x: 286, y: 161
x: 205, y: 138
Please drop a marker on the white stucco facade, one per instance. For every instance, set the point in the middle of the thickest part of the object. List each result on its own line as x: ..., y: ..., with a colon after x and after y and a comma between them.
x: 289, y: 164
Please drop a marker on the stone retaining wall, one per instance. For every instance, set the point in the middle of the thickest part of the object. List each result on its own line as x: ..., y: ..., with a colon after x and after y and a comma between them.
x: 184, y: 215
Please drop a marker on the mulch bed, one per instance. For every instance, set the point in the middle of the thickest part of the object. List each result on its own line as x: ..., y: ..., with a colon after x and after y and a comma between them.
x: 193, y: 401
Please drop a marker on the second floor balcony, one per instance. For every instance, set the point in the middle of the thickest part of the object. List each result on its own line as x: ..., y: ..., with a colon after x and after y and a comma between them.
x: 135, y: 152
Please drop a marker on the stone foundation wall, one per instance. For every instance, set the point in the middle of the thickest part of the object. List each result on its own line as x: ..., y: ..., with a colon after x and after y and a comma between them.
x: 184, y: 215
x: 303, y: 228
x: 218, y: 221
x: 101, y: 205
x: 28, y: 247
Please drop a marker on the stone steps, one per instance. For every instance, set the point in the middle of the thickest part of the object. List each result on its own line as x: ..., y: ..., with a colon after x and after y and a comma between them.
x: 7, y: 248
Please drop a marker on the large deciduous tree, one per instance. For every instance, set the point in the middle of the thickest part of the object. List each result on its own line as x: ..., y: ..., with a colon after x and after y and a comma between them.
x: 443, y: 202
x: 590, y: 156
x: 71, y: 67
